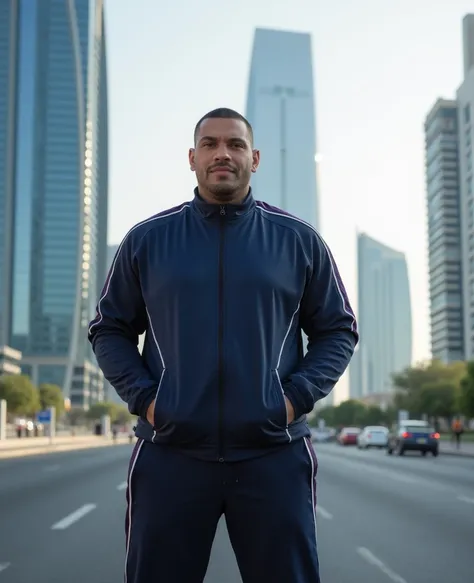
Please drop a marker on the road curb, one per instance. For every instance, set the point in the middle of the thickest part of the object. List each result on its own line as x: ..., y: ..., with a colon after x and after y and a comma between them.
x: 56, y: 448
x: 456, y: 453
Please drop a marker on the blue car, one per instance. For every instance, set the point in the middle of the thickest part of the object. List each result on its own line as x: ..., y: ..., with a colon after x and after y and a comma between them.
x: 413, y: 435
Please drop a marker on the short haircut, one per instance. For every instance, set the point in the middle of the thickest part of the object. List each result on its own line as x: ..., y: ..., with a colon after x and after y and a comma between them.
x: 223, y: 113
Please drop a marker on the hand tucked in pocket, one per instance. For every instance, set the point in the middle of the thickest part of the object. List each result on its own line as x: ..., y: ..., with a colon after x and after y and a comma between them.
x: 150, y: 414
x: 290, y: 412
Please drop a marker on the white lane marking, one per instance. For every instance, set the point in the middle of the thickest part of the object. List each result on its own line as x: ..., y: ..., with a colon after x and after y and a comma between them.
x: 466, y: 499
x: 4, y: 566
x: 122, y: 486
x: 363, y: 467
x: 52, y: 468
x: 376, y: 562
x: 67, y: 521
x: 323, y: 513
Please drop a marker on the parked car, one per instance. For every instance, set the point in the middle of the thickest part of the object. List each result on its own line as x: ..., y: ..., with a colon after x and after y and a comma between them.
x: 413, y: 435
x: 373, y: 436
x: 322, y: 435
x: 348, y: 436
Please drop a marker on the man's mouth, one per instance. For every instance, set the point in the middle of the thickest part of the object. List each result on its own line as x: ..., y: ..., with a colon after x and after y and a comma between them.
x: 218, y: 169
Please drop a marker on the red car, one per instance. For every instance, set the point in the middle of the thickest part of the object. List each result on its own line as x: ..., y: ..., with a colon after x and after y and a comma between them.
x: 348, y: 436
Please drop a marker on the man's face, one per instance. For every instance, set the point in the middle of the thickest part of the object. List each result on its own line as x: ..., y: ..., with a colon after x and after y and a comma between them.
x: 223, y: 158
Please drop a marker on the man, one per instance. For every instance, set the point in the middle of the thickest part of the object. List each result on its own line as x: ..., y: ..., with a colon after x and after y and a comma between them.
x: 457, y: 429
x: 223, y: 286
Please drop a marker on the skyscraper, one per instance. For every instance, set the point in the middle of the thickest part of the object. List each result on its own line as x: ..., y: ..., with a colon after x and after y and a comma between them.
x: 384, y: 318
x: 111, y: 251
x: 465, y: 102
x: 58, y: 202
x: 8, y: 91
x: 444, y: 231
x: 281, y: 109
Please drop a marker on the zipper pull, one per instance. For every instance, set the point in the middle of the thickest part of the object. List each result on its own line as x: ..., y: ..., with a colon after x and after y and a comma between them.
x: 222, y: 211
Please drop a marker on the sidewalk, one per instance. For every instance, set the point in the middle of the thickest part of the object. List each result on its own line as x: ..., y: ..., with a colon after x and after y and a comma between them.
x: 14, y: 447
x: 449, y: 448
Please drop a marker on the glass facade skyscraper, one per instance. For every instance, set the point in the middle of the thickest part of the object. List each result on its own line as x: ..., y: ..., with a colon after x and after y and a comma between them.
x: 444, y: 231
x: 465, y: 103
x: 58, y: 201
x: 8, y: 92
x: 281, y: 109
x: 384, y: 318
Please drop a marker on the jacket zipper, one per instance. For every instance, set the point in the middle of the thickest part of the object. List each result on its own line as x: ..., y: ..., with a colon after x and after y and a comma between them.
x: 220, y: 340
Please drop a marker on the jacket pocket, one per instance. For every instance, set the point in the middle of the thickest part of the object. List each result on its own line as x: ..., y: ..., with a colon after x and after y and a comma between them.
x: 160, y: 415
x: 280, y: 415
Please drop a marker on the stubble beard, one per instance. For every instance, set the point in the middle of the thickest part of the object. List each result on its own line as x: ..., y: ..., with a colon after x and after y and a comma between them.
x: 224, y: 192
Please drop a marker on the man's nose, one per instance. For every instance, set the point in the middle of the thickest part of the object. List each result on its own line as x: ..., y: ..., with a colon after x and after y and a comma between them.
x: 221, y: 153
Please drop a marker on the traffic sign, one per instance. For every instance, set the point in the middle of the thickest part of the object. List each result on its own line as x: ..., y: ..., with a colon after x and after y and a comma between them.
x: 44, y: 416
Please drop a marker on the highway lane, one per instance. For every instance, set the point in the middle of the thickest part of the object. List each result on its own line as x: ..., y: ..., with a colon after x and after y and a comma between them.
x: 381, y: 519
x: 410, y: 518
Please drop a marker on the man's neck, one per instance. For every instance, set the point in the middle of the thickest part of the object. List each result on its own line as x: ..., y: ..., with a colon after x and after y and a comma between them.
x: 236, y: 198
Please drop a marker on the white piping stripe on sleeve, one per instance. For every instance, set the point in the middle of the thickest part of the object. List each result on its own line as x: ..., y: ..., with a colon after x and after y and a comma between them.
x: 286, y: 336
x: 346, y: 309
x: 163, y: 366
x: 279, y: 360
x: 112, y: 269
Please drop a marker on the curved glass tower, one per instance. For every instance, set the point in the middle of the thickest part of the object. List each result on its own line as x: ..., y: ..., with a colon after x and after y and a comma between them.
x: 59, y: 230
x: 384, y: 317
x: 281, y: 109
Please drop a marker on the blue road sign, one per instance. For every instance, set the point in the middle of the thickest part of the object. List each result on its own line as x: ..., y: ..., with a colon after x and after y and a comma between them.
x: 44, y: 416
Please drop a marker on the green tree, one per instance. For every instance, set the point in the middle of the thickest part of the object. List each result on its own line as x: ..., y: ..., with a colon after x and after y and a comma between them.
x: 438, y: 398
x: 466, y: 397
x: 326, y: 414
x: 410, y: 382
x: 51, y: 396
x: 122, y: 415
x: 349, y: 412
x: 21, y: 395
x: 371, y: 415
x: 76, y: 417
x: 97, y: 410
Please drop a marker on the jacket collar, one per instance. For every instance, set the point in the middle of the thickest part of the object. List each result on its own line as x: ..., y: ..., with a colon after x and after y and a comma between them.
x: 230, y: 211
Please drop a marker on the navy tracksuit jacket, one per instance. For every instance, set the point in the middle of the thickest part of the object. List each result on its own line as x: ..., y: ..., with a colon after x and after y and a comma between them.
x: 223, y: 293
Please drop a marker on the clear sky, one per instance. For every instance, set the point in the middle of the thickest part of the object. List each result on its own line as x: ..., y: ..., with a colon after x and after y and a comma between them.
x: 379, y: 67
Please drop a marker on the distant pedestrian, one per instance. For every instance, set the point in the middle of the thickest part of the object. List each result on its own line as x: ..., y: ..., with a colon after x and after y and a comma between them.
x: 457, y: 429
x: 223, y: 286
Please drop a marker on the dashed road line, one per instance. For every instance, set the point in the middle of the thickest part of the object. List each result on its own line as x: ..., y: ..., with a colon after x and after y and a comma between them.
x: 376, y: 562
x: 122, y: 486
x: 323, y: 513
x: 52, y: 468
x: 4, y: 566
x: 365, y: 467
x: 69, y: 520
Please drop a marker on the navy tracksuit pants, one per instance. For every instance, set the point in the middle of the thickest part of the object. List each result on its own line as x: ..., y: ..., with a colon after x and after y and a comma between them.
x: 175, y: 503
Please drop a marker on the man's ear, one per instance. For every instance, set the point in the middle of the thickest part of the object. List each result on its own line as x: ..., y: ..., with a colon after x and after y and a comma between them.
x: 255, y: 160
x: 191, y: 156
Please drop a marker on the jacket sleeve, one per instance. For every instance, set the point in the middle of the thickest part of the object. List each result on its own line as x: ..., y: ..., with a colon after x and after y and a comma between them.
x: 328, y: 321
x: 121, y: 318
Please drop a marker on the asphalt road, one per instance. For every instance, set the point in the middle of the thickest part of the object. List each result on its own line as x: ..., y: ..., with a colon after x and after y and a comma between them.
x: 380, y: 520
